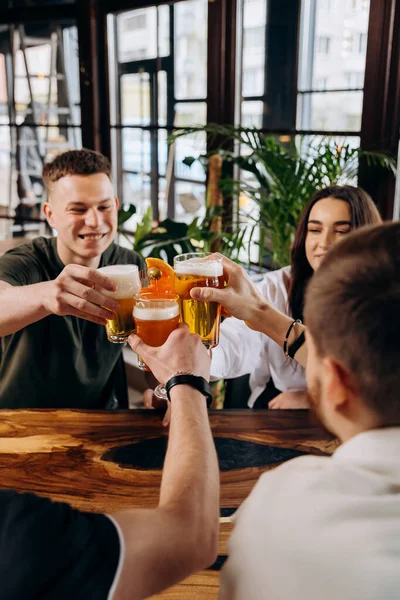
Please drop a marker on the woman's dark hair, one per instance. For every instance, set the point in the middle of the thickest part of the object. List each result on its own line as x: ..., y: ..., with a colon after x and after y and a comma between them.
x: 363, y: 212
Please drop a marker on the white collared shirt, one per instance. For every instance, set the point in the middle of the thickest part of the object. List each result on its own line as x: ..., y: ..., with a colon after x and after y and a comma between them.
x: 242, y: 350
x: 321, y: 528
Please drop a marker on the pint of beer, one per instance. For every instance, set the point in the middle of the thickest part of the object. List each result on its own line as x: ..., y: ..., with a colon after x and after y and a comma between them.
x: 155, y: 318
x: 200, y: 269
x: 126, y: 278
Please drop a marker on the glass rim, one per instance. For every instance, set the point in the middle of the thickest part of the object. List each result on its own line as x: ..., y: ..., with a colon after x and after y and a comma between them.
x: 149, y: 297
x: 189, y: 255
x: 125, y: 267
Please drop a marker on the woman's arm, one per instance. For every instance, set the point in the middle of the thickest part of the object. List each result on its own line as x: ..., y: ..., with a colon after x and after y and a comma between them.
x: 243, y: 301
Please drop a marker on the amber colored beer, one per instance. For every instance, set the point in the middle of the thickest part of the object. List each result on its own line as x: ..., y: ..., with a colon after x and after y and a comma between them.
x: 126, y: 278
x: 202, y: 318
x: 155, y: 319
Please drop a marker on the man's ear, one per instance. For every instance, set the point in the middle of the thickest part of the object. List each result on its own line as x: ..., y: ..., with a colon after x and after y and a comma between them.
x: 48, y: 213
x: 339, y: 385
x: 116, y: 202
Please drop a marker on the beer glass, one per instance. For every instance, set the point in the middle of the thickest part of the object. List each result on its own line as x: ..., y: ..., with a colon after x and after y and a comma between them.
x: 199, y: 269
x: 126, y: 278
x: 155, y: 318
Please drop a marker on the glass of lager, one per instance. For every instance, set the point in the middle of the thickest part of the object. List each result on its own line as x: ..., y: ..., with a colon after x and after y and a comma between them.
x: 155, y: 317
x: 199, y: 269
x: 126, y: 278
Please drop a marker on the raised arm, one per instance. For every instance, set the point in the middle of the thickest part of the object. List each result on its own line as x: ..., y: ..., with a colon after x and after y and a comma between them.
x: 71, y: 293
x: 242, y: 300
x: 167, y: 543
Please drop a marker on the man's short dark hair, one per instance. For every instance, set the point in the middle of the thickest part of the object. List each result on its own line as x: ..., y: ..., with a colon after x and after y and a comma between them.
x: 75, y: 162
x: 353, y: 313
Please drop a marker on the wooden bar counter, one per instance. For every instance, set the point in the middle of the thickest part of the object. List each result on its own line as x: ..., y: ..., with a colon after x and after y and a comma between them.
x: 104, y: 461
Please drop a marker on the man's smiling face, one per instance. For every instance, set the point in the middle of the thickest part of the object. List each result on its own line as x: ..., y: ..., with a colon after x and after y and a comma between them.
x: 84, y: 211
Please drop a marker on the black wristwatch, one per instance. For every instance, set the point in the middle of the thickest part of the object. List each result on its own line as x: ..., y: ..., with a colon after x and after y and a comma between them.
x: 196, y: 382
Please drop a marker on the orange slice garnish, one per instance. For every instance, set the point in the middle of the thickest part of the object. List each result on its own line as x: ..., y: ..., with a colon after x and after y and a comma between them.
x: 161, y: 277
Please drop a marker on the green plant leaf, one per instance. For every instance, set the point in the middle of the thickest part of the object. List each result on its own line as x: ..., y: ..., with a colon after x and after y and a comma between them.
x: 144, y: 228
x: 125, y: 212
x: 189, y: 160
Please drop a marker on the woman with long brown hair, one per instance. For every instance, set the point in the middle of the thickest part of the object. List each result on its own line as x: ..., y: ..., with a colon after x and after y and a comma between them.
x: 330, y: 214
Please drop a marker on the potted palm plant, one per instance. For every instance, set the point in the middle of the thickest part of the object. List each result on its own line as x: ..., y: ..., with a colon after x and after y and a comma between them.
x: 280, y: 178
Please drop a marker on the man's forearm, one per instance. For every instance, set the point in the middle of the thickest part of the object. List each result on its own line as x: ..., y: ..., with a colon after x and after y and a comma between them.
x: 20, y: 306
x: 191, y: 476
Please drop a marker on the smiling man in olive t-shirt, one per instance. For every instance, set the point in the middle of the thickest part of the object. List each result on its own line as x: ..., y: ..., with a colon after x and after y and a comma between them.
x: 54, y: 350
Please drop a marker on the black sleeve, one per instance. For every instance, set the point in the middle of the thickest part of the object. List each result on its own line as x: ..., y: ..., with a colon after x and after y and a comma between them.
x: 49, y: 551
x: 17, y: 267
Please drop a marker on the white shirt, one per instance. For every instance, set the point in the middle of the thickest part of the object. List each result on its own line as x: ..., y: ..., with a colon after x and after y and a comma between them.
x: 242, y: 350
x: 321, y: 528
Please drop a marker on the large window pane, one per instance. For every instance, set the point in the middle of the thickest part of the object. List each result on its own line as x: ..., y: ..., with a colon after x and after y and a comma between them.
x: 136, y: 190
x: 333, y: 111
x: 191, y: 49
x: 190, y: 145
x: 135, y: 99
x: 190, y: 201
x: 332, y: 57
x: 136, y: 150
x: 251, y: 75
x: 252, y: 113
x: 137, y: 34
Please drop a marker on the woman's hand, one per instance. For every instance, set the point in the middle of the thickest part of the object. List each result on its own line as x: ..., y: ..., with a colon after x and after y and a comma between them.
x: 288, y: 400
x: 239, y: 298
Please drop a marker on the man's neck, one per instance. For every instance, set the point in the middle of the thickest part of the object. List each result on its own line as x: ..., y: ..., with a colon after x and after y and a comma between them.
x: 68, y: 257
x: 359, y: 423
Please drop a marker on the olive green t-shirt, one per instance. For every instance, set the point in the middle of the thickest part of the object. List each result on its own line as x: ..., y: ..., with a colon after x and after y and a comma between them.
x: 57, y: 362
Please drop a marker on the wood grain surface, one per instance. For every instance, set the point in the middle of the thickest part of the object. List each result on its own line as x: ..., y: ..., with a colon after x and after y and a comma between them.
x: 65, y: 455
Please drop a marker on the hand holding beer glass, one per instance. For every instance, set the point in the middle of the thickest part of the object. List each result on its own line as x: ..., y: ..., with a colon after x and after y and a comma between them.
x: 127, y: 281
x: 155, y: 317
x: 199, y: 269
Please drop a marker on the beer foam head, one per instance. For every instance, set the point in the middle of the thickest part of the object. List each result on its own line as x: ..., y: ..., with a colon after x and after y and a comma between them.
x: 162, y: 313
x: 199, y: 266
x: 125, y: 277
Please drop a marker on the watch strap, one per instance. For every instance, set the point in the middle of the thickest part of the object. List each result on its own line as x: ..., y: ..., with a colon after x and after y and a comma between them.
x: 195, y: 381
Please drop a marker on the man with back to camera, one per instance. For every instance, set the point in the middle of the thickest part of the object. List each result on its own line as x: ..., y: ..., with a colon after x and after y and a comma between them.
x: 49, y: 551
x: 54, y: 351
x: 320, y: 527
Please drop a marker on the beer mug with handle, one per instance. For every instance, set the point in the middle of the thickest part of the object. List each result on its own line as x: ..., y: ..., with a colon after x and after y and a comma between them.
x: 126, y: 278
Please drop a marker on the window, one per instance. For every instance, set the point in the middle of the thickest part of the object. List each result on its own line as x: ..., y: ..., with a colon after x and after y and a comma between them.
x: 158, y: 81
x: 354, y: 79
x: 330, y: 96
x: 323, y: 44
x: 253, y: 81
x: 254, y: 38
x: 325, y: 5
x: 321, y: 83
x: 135, y: 22
x: 44, y: 76
x: 252, y: 77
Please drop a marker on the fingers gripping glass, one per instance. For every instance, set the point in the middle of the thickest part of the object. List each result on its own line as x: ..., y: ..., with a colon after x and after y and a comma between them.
x: 199, y: 269
x: 127, y: 281
x: 155, y: 319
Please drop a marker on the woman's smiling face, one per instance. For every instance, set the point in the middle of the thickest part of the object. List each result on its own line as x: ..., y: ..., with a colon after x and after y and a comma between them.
x: 329, y: 220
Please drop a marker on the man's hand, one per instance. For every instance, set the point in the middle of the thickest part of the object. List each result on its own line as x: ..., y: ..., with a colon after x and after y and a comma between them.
x: 290, y: 400
x: 78, y: 291
x: 182, y: 351
x: 240, y: 298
